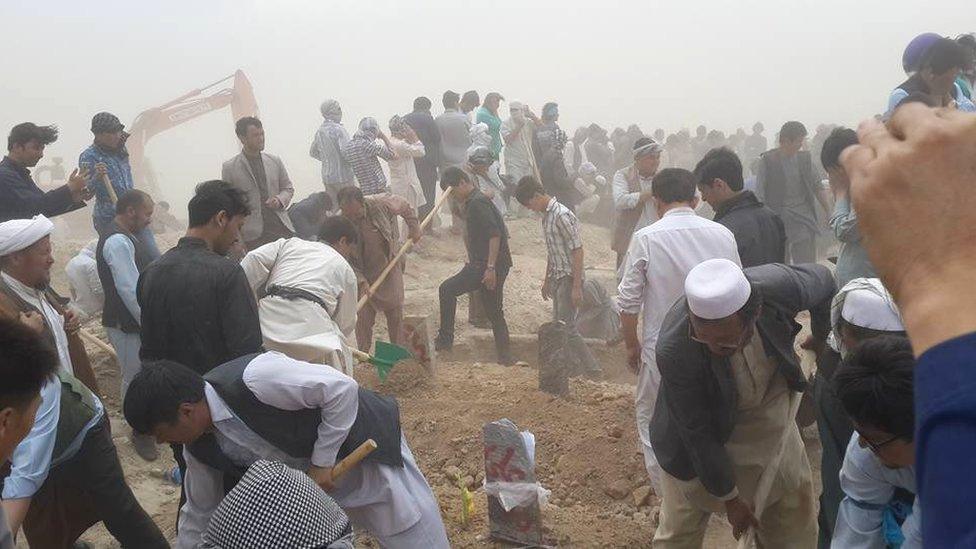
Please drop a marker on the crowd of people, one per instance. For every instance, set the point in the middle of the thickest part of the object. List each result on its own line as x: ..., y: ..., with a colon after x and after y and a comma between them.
x: 222, y: 339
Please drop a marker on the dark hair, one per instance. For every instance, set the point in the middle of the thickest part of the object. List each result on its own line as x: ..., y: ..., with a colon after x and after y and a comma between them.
x: 673, y: 185
x: 24, y: 133
x: 875, y: 385
x: 421, y: 104
x: 472, y: 97
x: 452, y: 177
x: 348, y: 193
x: 244, y: 123
x: 836, y: 142
x: 155, y: 394
x: 450, y: 99
x: 721, y: 163
x: 864, y: 334
x: 641, y: 141
x: 133, y: 198
x: 791, y: 131
x: 26, y: 364
x: 527, y: 188
x: 214, y: 196
x: 943, y: 55
x: 335, y: 227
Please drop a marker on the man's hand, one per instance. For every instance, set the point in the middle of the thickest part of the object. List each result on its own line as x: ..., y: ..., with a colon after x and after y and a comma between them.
x: 634, y: 359
x: 101, y: 169
x: 322, y: 476
x: 489, y: 280
x: 577, y: 295
x: 33, y: 320
x: 645, y: 196
x: 911, y: 184
x: 78, y: 183
x: 740, y: 516
x: 416, y: 234
x: 71, y: 321
x: 274, y: 203
x: 546, y: 289
x: 363, y: 288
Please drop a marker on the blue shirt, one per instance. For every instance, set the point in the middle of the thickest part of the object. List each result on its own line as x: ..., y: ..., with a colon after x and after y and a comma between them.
x: 120, y: 255
x: 853, y: 261
x: 945, y: 416
x: 119, y: 173
x: 33, y: 459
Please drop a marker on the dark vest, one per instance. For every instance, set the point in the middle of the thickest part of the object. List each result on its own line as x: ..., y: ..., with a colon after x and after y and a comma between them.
x: 626, y: 221
x: 115, y: 314
x: 774, y: 191
x: 295, y: 431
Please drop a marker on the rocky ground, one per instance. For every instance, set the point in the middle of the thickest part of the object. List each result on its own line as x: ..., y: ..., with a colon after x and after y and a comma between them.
x: 587, y: 452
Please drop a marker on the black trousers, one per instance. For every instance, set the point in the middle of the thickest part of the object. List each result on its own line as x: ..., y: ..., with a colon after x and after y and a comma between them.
x: 835, y: 432
x: 428, y: 182
x: 85, y: 489
x: 468, y: 279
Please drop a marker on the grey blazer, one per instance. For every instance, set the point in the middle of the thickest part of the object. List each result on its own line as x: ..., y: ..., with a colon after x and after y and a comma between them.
x: 696, y: 407
x: 237, y: 171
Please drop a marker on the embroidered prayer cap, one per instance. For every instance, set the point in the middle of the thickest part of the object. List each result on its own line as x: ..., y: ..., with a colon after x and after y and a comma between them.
x: 716, y: 288
x: 867, y: 308
x: 17, y: 234
x: 106, y: 122
x: 480, y: 156
x: 276, y: 507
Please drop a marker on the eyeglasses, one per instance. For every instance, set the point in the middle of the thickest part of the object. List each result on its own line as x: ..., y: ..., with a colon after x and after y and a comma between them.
x: 875, y: 446
x: 746, y: 335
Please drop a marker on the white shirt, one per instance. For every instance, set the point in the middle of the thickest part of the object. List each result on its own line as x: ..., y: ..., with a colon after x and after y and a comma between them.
x: 288, y: 384
x: 868, y: 486
x: 403, y: 171
x: 625, y: 200
x: 86, y: 287
x: 658, y: 262
x: 300, y: 328
x: 52, y: 318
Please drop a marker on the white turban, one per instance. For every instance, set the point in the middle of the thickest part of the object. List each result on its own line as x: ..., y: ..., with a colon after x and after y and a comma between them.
x: 17, y: 234
x: 865, y: 303
x: 716, y: 289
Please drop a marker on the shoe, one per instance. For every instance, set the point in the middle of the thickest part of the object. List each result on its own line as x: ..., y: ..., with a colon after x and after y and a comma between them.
x: 145, y: 446
x: 442, y: 345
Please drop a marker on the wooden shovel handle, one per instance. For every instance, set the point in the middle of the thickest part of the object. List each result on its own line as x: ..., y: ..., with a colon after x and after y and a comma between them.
x: 352, y: 459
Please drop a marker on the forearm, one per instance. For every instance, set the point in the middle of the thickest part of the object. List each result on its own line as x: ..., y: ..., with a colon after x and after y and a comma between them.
x: 577, y: 267
x: 16, y: 511
x: 493, y: 245
x: 628, y: 329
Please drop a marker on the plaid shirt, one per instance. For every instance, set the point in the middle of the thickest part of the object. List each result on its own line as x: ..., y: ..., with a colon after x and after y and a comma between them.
x: 561, y: 229
x: 363, y: 155
x: 119, y: 173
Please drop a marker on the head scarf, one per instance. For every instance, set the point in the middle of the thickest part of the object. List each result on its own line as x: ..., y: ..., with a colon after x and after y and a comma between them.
x: 397, y: 126
x: 480, y: 156
x: 18, y: 234
x: 550, y: 111
x: 331, y: 110
x: 276, y: 507
x: 369, y: 129
x: 911, y: 59
x: 479, y: 135
x: 886, y: 315
x: 653, y: 147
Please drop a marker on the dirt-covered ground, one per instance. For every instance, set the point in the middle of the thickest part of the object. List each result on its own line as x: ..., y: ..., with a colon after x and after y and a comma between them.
x: 587, y: 452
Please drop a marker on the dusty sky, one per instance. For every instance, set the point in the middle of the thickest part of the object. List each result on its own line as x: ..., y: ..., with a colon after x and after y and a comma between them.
x: 658, y: 64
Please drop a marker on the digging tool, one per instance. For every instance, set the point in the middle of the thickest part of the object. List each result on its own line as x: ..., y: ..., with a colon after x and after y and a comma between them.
x: 90, y: 338
x: 765, y: 484
x: 353, y: 459
x: 403, y: 250
x: 109, y: 188
x: 385, y: 357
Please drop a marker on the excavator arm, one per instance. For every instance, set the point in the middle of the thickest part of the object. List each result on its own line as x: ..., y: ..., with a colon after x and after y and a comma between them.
x: 239, y: 96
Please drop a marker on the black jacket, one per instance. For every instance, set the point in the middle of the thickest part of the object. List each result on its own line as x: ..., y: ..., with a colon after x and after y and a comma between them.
x: 21, y: 198
x: 696, y: 407
x: 759, y: 232
x: 197, y: 308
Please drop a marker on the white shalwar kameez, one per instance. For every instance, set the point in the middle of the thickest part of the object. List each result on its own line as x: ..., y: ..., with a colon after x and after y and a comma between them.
x: 300, y: 328
x: 395, y: 504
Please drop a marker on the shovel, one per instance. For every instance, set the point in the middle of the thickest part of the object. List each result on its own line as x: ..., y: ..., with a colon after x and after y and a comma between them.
x: 384, y: 358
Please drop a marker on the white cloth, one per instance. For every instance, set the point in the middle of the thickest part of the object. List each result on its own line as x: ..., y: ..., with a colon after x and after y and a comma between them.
x: 390, y: 502
x: 53, y: 319
x: 659, y: 258
x: 87, y: 295
x: 872, y: 310
x: 301, y: 328
x: 625, y: 200
x: 518, y: 154
x: 868, y: 313
x: 868, y: 486
x: 403, y: 172
x: 716, y: 289
x: 17, y: 234
x: 127, y: 348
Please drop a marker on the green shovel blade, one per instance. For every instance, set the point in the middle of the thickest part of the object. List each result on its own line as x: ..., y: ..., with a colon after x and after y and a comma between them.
x: 386, y: 356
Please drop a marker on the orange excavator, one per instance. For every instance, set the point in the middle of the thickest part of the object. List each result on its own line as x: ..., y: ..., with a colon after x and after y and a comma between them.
x: 239, y: 95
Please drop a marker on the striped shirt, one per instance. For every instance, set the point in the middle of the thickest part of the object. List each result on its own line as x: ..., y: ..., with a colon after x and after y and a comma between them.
x: 561, y: 229
x: 363, y: 155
